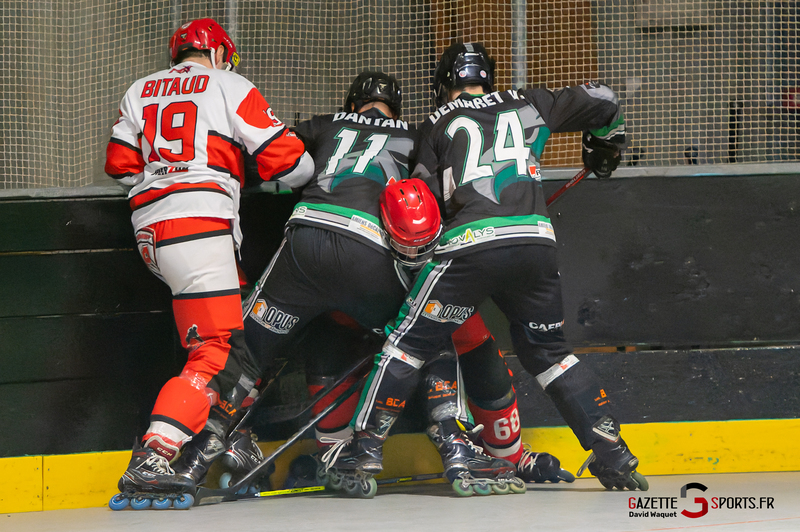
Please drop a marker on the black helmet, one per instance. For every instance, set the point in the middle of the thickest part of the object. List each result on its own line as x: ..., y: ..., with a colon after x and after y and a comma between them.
x: 370, y: 86
x: 462, y: 65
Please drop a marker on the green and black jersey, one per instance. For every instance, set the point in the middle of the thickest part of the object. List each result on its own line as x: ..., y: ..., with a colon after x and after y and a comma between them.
x: 480, y: 155
x: 355, y: 156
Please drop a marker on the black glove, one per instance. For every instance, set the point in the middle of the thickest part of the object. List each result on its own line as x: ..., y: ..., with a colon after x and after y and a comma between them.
x: 600, y: 156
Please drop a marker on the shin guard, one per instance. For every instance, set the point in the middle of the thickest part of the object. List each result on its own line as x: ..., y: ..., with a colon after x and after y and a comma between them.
x: 393, y: 378
x: 580, y: 399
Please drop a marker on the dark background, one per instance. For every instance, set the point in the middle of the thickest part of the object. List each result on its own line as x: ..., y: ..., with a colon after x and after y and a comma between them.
x: 683, y: 294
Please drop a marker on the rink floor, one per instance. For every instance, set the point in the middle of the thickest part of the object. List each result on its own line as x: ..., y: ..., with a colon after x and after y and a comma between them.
x: 581, y: 506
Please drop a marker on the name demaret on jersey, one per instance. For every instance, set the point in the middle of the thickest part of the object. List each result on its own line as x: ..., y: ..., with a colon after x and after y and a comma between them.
x: 479, y: 102
x: 377, y: 122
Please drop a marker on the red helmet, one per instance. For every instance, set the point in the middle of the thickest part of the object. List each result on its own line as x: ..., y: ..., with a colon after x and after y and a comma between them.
x: 203, y: 34
x: 410, y: 215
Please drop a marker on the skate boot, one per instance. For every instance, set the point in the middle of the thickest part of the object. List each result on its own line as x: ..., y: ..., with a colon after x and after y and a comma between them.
x: 149, y: 481
x: 541, y: 467
x: 351, y: 463
x: 468, y: 469
x: 241, y: 457
x: 198, y: 455
x: 612, y: 462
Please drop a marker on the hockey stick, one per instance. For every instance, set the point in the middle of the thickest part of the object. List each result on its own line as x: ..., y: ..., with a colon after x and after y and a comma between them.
x: 302, y: 409
x: 215, y: 496
x: 305, y: 407
x: 411, y: 478
x: 569, y: 184
x: 240, y: 423
x: 313, y: 489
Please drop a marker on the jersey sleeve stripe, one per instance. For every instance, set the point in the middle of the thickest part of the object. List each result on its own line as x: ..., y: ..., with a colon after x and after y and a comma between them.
x: 289, y: 170
x: 283, y: 155
x: 123, y: 159
x: 149, y: 196
x: 225, y: 155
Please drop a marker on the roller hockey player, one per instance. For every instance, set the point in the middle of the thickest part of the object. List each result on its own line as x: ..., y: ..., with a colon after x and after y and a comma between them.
x: 178, y: 143
x: 411, y: 217
x: 479, y: 153
x: 334, y: 257
x: 413, y: 234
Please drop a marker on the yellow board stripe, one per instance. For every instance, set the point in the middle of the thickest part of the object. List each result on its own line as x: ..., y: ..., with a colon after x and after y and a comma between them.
x: 33, y: 483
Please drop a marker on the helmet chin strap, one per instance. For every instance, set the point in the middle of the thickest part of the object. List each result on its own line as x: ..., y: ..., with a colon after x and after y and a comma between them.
x: 214, y: 58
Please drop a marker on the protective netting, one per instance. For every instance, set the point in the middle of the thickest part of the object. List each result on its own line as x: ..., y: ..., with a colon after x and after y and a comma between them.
x: 702, y: 82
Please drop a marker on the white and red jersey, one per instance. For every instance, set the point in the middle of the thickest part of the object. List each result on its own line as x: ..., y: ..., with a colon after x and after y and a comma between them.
x: 180, y: 138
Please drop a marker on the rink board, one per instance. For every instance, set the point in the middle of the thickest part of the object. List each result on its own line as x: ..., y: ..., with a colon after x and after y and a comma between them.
x: 87, y: 480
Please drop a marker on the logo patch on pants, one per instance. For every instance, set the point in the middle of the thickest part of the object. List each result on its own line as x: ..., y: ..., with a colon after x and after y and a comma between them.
x: 273, y: 319
x: 146, y: 242
x: 436, y: 311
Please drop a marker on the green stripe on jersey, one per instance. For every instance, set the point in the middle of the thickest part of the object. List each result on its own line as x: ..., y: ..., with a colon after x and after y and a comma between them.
x: 352, y: 220
x: 496, y: 228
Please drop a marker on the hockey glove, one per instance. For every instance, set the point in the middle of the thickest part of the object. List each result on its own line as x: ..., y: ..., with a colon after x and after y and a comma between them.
x: 600, y: 156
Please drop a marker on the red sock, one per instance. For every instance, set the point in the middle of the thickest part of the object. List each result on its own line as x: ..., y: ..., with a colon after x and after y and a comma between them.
x: 336, y: 424
x: 501, y: 434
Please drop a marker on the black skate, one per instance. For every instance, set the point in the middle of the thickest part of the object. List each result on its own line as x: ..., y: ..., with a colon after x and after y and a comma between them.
x: 242, y: 456
x: 468, y: 469
x: 611, y: 461
x: 198, y: 455
x: 350, y: 464
x: 541, y: 467
x: 149, y: 481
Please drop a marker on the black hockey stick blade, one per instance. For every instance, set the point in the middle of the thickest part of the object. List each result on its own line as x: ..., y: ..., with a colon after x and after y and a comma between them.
x: 569, y: 184
x: 410, y: 478
x: 288, y: 412
x: 206, y: 496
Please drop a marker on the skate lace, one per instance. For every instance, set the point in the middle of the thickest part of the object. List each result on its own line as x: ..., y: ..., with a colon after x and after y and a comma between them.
x: 468, y: 434
x: 528, y: 459
x: 330, y: 456
x: 158, y: 464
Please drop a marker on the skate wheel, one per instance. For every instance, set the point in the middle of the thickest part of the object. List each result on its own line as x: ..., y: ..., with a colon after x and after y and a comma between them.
x: 336, y: 482
x: 321, y: 477
x: 225, y: 480
x: 350, y: 486
x: 517, y: 485
x: 639, y: 478
x: 462, y: 487
x: 184, y: 502
x: 141, y: 503
x: 482, y: 488
x: 118, y: 502
x: 163, y: 503
x: 368, y: 487
x: 502, y: 487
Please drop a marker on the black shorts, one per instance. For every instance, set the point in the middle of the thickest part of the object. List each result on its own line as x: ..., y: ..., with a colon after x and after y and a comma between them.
x: 523, y: 281
x: 316, y: 271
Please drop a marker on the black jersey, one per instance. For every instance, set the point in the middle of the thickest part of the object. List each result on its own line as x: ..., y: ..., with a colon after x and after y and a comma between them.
x: 355, y: 156
x: 480, y: 155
